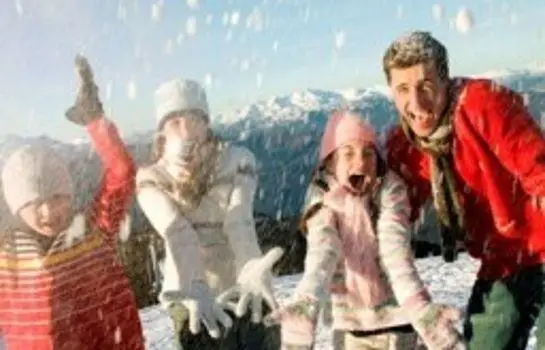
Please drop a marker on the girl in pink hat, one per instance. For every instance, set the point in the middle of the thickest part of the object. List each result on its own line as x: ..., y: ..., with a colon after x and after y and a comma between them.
x: 356, y: 221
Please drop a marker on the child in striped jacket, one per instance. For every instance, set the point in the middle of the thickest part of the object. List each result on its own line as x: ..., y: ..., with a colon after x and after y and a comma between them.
x: 62, y: 286
x: 357, y: 229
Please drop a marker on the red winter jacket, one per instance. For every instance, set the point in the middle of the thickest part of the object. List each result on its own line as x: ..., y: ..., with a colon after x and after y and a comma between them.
x: 499, y: 161
x: 75, y: 296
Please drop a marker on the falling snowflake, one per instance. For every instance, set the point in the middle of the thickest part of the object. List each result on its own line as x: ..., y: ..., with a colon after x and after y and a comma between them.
x: 208, y: 80
x: 513, y: 18
x: 464, y: 20
x: 306, y: 17
x: 437, y: 12
x: 156, y: 12
x: 255, y: 20
x: 399, y: 13
x: 117, y: 335
x: 19, y: 7
x: 193, y: 4
x: 225, y: 19
x: 109, y: 112
x: 121, y: 11
x: 275, y: 46
x: 340, y: 39
x: 452, y: 23
x: 191, y: 26
x: 229, y: 35
x: 244, y: 65
x: 235, y: 16
x: 109, y: 87
x: 259, y: 80
x: 169, y: 46
x: 131, y: 90
x: 209, y: 18
x: 180, y: 38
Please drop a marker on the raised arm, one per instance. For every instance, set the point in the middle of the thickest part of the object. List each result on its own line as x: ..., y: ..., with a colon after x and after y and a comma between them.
x: 114, y: 195
x: 110, y: 203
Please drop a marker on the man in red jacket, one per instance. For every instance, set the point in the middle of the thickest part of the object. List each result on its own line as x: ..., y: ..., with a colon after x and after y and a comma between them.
x: 473, y: 146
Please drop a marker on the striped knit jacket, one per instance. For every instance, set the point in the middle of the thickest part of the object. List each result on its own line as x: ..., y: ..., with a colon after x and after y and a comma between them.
x: 74, y: 294
x: 361, y: 299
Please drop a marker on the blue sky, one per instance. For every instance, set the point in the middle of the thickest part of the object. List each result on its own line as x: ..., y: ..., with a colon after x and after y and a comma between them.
x: 38, y: 40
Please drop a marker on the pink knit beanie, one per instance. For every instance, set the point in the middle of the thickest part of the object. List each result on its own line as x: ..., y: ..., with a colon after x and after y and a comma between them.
x: 344, y: 127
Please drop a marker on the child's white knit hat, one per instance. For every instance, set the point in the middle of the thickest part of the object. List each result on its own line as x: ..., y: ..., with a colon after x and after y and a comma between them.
x: 179, y: 95
x: 32, y: 173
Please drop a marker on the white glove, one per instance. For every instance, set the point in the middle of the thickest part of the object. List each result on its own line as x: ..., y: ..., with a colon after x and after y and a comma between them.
x: 436, y: 325
x: 201, y: 306
x: 298, y: 319
x: 254, y: 283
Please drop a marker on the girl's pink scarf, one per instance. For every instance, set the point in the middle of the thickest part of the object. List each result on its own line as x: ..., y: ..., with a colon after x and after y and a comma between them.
x: 365, y: 285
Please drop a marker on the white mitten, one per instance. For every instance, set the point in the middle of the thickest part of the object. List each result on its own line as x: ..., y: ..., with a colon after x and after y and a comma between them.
x: 254, y: 284
x: 298, y: 319
x: 199, y: 303
x: 436, y: 325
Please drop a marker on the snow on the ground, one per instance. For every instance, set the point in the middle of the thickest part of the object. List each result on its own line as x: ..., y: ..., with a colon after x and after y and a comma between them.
x: 448, y: 284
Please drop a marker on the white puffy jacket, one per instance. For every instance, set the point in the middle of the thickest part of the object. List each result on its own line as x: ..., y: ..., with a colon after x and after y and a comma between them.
x: 213, y: 241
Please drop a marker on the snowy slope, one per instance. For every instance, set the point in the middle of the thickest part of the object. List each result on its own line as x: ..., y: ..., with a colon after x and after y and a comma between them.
x: 448, y: 283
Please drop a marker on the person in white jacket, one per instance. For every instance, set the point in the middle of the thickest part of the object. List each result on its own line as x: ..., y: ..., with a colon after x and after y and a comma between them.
x: 198, y: 194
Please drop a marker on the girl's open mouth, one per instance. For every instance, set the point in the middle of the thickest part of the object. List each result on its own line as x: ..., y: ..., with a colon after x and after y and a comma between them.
x: 357, y: 181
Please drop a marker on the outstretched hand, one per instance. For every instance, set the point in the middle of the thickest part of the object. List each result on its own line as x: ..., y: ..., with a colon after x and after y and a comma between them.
x: 297, y: 319
x: 254, y: 284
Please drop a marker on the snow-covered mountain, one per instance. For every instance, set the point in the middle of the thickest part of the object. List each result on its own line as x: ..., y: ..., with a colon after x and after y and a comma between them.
x: 297, y: 106
x: 283, y: 132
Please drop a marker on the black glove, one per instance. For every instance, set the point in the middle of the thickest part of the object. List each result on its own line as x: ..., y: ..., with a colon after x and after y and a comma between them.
x: 88, y: 106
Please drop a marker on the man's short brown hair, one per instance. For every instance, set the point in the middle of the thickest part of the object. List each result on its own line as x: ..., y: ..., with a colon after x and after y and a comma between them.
x: 416, y: 48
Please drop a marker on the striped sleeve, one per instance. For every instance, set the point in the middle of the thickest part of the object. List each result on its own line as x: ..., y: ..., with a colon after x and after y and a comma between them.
x: 324, y: 250
x: 394, y: 239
